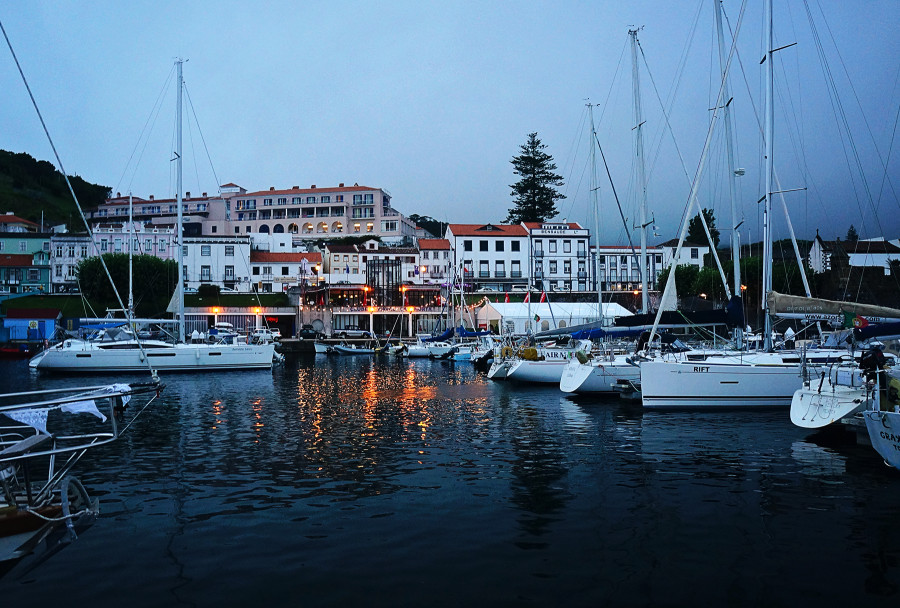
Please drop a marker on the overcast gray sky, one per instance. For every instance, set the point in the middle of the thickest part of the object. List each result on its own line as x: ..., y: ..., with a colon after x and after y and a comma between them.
x: 430, y: 101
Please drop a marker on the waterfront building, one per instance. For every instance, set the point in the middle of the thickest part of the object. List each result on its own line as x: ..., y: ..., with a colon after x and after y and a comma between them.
x: 559, y: 253
x: 691, y: 253
x: 435, y: 260
x: 870, y: 252
x: 304, y: 213
x: 491, y: 257
x: 222, y: 261
x: 618, y: 267
x: 9, y: 222
x: 279, y: 271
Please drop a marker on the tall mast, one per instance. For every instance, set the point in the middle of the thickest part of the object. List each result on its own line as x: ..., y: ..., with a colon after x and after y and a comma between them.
x: 595, y: 206
x: 179, y: 236
x: 639, y: 160
x: 770, y: 146
x: 729, y: 147
x: 130, y: 237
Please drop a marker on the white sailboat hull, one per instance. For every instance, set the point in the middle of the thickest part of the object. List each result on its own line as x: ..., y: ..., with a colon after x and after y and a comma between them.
x: 543, y: 372
x: 884, y: 433
x: 718, y: 384
x: 595, y: 376
x: 828, y: 400
x: 85, y: 357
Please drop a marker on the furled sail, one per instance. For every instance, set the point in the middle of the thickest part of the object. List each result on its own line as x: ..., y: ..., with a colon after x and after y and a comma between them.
x: 817, y: 309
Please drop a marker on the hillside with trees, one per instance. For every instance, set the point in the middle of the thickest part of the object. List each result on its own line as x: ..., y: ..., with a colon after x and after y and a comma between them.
x: 30, y: 187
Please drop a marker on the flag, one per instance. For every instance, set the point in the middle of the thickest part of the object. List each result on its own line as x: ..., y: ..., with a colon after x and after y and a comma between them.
x: 321, y: 301
x: 405, y: 299
x: 347, y: 269
x: 507, y: 298
x: 851, y: 319
x: 543, y: 297
x: 527, y: 297
x: 536, y: 318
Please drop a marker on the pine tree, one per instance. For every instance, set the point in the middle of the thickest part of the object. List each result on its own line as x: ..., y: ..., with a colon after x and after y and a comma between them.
x: 852, y: 234
x: 535, y: 193
x: 697, y: 235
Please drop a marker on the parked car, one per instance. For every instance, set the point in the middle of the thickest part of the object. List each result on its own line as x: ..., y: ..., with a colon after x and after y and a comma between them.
x: 351, y: 331
x: 308, y: 332
x: 266, y: 334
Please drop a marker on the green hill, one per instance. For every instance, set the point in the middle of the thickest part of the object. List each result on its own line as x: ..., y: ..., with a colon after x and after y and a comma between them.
x: 29, y: 187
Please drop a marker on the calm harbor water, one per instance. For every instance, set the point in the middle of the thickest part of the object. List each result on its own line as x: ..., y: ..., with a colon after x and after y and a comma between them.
x: 352, y: 481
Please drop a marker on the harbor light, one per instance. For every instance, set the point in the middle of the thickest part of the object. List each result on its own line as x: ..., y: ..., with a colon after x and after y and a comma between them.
x: 215, y: 310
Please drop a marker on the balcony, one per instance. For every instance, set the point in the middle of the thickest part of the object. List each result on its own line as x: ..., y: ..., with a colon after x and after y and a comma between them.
x: 538, y: 253
x: 582, y: 254
x: 436, y: 275
x: 484, y: 274
x: 468, y: 274
x: 500, y: 274
x: 582, y: 274
x: 539, y: 274
x: 515, y: 274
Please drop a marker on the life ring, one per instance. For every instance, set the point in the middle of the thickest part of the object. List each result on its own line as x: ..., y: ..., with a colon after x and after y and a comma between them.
x: 506, y: 352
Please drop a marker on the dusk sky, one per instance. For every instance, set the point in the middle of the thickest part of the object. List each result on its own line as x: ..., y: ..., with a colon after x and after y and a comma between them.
x: 431, y: 100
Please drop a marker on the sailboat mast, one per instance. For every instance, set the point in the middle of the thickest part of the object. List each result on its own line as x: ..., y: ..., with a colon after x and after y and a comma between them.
x: 729, y: 147
x: 179, y: 236
x: 130, y: 254
x: 639, y: 160
x: 770, y: 147
x: 595, y: 206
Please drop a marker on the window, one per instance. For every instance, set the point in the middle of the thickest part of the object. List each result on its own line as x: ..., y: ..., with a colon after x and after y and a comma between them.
x: 499, y: 246
x: 658, y: 258
x: 229, y: 251
x: 567, y: 267
x: 59, y: 251
x: 71, y: 250
x: 104, y: 245
x: 424, y: 255
x: 515, y: 270
x: 267, y: 202
x: 567, y: 246
x: 623, y: 260
x: 483, y: 270
x: 514, y: 246
x: 229, y: 273
x: 267, y: 270
x: 184, y: 250
x: 368, y: 199
x: 446, y: 255
x: 310, y: 199
x: 23, y: 245
x: 467, y: 245
x: 84, y: 251
x: 553, y: 246
x: 205, y: 273
x: 237, y: 229
x: 162, y: 245
x: 500, y: 269
x: 284, y: 271
x: 205, y: 250
x: 482, y: 245
x: 58, y: 270
x: 45, y: 245
x: 34, y: 274
x: 695, y: 253
x: 255, y: 270
x: 552, y: 266
x: 390, y: 226
x: 118, y: 244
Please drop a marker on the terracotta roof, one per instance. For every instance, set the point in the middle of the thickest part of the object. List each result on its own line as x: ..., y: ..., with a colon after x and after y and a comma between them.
x: 537, y: 225
x: 865, y: 247
x: 498, y: 230
x: 32, y: 313
x: 434, y: 244
x: 341, y: 248
x: 17, y: 259
x: 307, y: 191
x: 230, y: 185
x: 674, y: 243
x: 14, y: 219
x: 268, y: 256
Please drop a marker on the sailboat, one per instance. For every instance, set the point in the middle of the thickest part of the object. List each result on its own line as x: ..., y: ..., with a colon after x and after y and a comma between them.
x: 76, y: 355
x: 767, y: 378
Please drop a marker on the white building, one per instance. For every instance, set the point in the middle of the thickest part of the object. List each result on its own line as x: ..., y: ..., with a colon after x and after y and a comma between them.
x: 559, y: 252
x: 691, y: 253
x: 435, y: 259
x: 522, y: 318
x: 222, y: 261
x: 619, y: 268
x: 870, y: 252
x: 490, y: 256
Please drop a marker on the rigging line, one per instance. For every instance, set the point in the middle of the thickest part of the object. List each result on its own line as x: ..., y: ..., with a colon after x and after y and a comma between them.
x: 154, y: 113
x: 65, y: 175
x: 667, y: 121
x: 203, y: 139
x: 574, y: 156
x: 856, y: 96
x: 676, y: 84
x: 194, y: 156
x: 843, y: 116
x: 613, y: 81
x: 616, y: 196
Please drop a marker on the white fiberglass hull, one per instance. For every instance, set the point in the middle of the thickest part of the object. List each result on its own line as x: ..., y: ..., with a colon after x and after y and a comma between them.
x: 597, y: 376
x: 499, y: 369
x: 884, y: 433
x: 822, y: 402
x: 84, y: 357
x: 719, y: 384
x: 543, y: 372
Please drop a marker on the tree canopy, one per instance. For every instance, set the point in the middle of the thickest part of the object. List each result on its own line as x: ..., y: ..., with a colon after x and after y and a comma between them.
x: 435, y: 227
x: 852, y: 234
x: 535, y: 193
x: 697, y: 235
x: 154, y: 282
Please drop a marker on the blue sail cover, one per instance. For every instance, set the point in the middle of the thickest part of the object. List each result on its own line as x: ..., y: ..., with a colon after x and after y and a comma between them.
x: 441, y: 338
x: 877, y: 330
x: 618, y: 332
x: 462, y: 332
